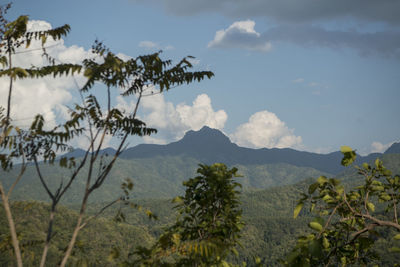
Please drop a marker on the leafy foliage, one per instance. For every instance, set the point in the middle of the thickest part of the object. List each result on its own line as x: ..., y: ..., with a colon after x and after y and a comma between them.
x: 346, y: 226
x: 208, y: 226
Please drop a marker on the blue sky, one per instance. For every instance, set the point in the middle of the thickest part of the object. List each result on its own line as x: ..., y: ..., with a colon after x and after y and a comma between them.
x: 312, y: 75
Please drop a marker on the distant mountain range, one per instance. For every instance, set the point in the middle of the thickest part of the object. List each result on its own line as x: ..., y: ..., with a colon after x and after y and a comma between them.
x: 159, y: 170
x: 210, y: 145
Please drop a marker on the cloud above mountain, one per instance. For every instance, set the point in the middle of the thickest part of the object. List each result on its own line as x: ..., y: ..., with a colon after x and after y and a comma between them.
x: 172, y: 121
x: 378, y: 147
x: 265, y: 129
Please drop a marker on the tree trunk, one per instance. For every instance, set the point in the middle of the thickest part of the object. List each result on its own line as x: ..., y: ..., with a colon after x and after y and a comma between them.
x: 11, y: 224
x: 49, y: 233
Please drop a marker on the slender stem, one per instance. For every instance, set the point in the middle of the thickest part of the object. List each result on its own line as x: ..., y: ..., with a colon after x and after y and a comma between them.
x: 72, y: 242
x: 11, y: 224
x: 11, y: 82
x: 108, y: 99
x: 42, y: 180
x: 395, y: 208
x: 89, y: 190
x: 81, y: 212
x: 99, y: 212
x: 330, y: 218
x: 49, y: 234
x: 21, y: 173
x: 380, y: 222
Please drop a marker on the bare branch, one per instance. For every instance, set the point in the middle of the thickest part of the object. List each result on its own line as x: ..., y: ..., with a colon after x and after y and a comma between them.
x: 99, y: 213
x: 21, y: 173
x: 42, y: 180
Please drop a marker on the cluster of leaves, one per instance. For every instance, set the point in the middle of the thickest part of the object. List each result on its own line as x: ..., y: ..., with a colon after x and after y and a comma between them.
x: 346, y: 226
x: 208, y: 226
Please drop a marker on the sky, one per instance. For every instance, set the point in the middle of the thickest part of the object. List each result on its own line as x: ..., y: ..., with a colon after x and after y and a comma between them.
x: 309, y: 75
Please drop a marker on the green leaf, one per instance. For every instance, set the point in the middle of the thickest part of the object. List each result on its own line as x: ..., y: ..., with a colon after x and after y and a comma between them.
x: 315, y: 226
x: 321, y: 180
x: 378, y: 163
x: 349, y: 155
x: 397, y: 237
x: 371, y: 206
x: 63, y: 162
x: 325, y: 243
x: 297, y: 209
x: 345, y: 149
x: 326, y: 198
x: 394, y: 249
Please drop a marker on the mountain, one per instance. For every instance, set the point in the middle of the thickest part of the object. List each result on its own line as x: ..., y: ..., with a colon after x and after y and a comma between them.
x: 210, y: 145
x: 393, y: 149
x: 159, y: 170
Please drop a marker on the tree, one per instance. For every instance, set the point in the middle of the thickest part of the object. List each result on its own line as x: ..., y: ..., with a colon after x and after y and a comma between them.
x: 136, y: 77
x: 347, y: 222
x: 208, y: 226
x: 14, y: 35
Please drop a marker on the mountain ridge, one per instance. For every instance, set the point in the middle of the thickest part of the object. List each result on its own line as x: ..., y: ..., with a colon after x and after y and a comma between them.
x: 210, y: 145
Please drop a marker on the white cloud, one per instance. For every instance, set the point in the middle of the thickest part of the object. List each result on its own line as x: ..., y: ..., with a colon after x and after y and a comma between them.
x: 173, y: 121
x: 299, y: 80
x: 241, y: 34
x: 148, y: 44
x: 47, y: 96
x: 265, y: 129
x: 377, y: 147
x: 153, y: 45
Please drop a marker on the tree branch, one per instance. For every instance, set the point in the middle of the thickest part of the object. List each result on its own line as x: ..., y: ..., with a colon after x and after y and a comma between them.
x: 42, y: 180
x: 99, y: 212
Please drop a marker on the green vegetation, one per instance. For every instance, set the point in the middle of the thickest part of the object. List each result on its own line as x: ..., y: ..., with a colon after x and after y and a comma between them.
x: 208, y: 226
x: 94, y: 243
x: 158, y: 177
x: 270, y: 230
x: 349, y: 222
x: 212, y: 224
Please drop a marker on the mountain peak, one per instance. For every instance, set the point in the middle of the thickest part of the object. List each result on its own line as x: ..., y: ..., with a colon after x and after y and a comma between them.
x: 205, y: 135
x: 393, y: 149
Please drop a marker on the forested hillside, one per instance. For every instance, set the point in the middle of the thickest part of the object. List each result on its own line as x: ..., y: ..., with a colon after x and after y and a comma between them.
x: 269, y: 233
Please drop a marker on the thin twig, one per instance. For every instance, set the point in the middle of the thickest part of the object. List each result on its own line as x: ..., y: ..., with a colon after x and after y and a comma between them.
x: 99, y: 212
x: 42, y: 180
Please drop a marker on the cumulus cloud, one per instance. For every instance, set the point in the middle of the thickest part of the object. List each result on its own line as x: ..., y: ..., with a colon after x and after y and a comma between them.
x: 173, y: 121
x: 47, y: 96
x: 289, y: 11
x: 377, y: 147
x: 265, y: 129
x: 240, y: 34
